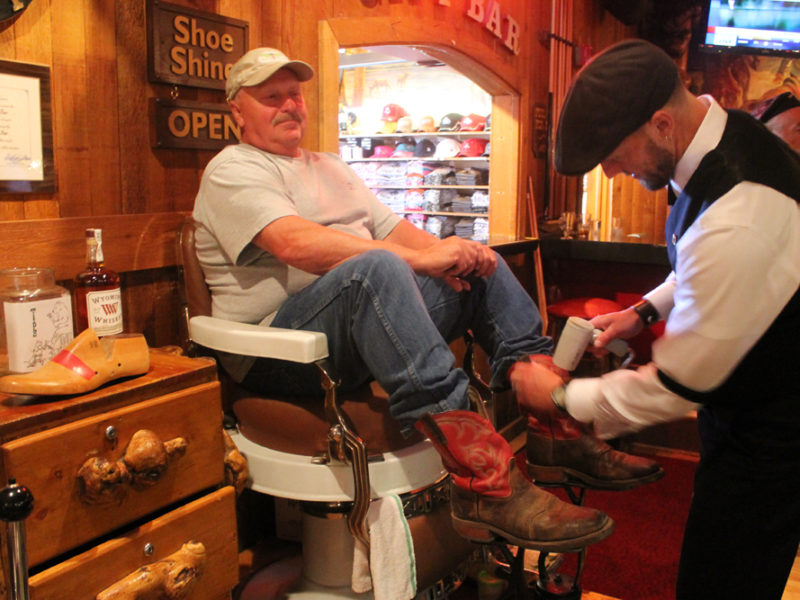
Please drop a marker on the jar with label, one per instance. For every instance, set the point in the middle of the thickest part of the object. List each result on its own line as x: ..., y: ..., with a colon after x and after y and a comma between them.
x: 37, y: 317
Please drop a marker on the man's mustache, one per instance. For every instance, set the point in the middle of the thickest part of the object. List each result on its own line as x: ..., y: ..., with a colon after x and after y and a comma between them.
x: 288, y: 116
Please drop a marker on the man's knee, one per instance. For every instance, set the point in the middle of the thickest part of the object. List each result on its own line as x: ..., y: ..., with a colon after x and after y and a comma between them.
x: 378, y: 263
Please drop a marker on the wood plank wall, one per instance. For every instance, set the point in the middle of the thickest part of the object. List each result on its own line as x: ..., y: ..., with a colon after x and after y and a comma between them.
x: 105, y: 165
x: 108, y: 175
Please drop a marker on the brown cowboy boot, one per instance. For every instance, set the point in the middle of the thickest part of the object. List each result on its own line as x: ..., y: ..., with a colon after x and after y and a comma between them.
x: 561, y: 451
x: 491, y: 497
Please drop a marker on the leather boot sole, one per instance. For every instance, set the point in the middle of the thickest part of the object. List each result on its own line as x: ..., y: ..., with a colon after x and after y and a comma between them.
x: 485, y: 533
x: 561, y: 476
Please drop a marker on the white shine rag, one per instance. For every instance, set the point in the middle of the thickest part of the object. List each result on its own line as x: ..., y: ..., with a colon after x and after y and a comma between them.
x: 391, y: 567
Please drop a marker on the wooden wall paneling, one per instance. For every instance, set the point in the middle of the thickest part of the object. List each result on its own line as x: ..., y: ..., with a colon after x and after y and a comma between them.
x: 71, y: 125
x: 151, y: 305
x: 662, y: 211
x: 504, y: 209
x: 102, y: 109
x: 437, y: 32
x: 300, y: 41
x: 130, y: 242
x: 141, y: 179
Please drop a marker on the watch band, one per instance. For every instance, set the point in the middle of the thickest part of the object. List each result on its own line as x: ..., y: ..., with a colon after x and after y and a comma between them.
x: 559, y: 396
x: 646, y: 311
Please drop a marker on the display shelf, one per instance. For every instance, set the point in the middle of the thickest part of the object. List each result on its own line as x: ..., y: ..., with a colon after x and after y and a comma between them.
x: 442, y: 213
x: 428, y: 187
x: 420, y: 159
x: 417, y: 134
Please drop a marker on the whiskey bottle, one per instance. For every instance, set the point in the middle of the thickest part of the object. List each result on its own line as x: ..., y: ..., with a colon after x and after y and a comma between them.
x: 98, y: 298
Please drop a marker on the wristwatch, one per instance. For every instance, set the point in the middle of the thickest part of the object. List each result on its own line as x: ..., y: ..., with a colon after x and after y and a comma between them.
x: 558, y: 396
x: 646, y: 311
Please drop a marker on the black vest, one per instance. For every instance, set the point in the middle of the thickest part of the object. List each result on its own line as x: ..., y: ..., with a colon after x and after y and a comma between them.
x: 760, y: 400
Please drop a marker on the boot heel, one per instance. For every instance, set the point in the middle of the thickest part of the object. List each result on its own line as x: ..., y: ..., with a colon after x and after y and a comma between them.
x: 472, y: 531
x: 546, y: 474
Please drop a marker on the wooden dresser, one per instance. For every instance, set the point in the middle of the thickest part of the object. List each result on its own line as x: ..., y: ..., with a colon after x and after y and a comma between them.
x: 83, y: 539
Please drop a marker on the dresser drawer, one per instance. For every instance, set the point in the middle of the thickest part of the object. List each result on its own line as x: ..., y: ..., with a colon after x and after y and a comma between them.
x: 126, y: 486
x: 211, y: 521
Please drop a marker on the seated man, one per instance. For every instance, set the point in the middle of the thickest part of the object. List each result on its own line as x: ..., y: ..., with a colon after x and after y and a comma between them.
x: 781, y: 115
x: 294, y: 239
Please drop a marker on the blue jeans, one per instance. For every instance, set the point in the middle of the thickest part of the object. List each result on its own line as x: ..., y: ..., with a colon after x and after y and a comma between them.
x: 385, y: 322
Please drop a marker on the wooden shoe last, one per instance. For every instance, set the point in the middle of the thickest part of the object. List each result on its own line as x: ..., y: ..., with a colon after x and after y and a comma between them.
x: 84, y: 365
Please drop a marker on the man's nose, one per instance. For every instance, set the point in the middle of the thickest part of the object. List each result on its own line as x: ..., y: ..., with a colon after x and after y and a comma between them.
x: 289, y: 104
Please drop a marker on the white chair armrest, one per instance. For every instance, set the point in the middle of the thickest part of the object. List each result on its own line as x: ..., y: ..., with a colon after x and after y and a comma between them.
x: 254, y: 340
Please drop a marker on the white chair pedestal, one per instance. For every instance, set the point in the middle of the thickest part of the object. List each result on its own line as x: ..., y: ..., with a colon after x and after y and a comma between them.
x: 327, y: 542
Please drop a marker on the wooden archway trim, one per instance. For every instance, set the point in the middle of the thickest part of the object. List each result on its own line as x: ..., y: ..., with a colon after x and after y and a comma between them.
x: 506, y: 185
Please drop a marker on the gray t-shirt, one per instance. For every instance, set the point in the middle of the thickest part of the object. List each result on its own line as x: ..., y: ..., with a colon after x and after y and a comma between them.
x: 243, y: 190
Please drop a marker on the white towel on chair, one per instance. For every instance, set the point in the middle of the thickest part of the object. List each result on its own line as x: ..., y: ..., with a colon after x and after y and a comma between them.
x: 391, y: 568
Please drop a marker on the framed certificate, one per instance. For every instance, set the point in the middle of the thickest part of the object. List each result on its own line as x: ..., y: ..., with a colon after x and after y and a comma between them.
x: 26, y: 135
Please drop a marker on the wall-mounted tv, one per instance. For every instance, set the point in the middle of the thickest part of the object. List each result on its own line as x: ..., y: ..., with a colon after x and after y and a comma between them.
x: 750, y: 26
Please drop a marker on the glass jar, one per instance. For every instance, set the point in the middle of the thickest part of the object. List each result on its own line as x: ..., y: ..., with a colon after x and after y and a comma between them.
x: 36, y: 315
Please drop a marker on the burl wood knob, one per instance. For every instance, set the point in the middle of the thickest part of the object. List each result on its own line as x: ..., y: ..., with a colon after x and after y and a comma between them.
x: 143, y: 464
x: 171, y: 578
x: 236, y: 468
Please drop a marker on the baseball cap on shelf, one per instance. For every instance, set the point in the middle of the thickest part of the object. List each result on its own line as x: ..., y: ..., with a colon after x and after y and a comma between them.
x: 473, y: 122
x: 427, y: 124
x: 392, y: 112
x: 450, y: 122
x: 613, y: 95
x: 405, y: 125
x: 424, y: 148
x: 472, y: 147
x: 383, y: 152
x: 774, y: 106
x: 258, y: 65
x: 447, y: 148
x: 404, y: 150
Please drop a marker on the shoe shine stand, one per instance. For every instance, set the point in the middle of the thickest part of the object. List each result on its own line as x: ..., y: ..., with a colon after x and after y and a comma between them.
x: 576, y: 336
x: 547, y: 585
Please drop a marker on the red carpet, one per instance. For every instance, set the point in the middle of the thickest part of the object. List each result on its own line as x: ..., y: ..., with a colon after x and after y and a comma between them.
x: 639, y: 561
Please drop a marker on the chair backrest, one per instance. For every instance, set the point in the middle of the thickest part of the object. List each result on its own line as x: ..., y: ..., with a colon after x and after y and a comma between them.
x: 197, y: 298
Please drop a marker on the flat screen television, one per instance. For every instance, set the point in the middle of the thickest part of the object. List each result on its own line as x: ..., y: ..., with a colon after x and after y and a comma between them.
x: 750, y: 26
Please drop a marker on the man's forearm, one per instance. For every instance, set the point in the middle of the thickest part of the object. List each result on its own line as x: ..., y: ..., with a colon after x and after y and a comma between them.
x: 317, y: 249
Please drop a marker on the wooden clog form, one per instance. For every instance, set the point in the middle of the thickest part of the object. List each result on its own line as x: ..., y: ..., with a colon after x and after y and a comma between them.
x: 84, y: 365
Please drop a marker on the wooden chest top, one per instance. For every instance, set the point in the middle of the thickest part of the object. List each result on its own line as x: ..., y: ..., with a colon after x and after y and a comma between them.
x: 22, y: 415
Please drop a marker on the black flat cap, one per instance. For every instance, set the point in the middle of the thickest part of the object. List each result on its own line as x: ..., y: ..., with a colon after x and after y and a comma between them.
x: 613, y: 95
x: 775, y: 106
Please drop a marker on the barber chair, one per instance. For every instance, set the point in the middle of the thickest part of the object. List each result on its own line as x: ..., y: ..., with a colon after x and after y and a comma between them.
x: 334, y: 455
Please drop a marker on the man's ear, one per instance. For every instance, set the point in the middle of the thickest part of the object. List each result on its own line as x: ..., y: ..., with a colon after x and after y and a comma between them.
x: 236, y: 112
x: 663, y: 123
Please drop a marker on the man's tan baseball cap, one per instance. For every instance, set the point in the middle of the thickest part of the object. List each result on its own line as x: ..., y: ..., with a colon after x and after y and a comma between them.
x: 260, y: 64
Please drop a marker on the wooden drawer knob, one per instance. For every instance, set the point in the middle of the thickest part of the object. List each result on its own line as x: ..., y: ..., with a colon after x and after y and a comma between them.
x: 143, y: 463
x: 171, y: 578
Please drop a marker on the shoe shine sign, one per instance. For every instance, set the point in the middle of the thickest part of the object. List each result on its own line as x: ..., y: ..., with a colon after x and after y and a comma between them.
x: 188, y: 47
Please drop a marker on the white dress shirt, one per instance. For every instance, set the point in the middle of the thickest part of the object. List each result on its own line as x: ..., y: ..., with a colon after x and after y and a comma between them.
x: 737, y: 266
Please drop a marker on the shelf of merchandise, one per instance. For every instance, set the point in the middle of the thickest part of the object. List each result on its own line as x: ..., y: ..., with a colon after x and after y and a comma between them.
x: 431, y: 213
x: 428, y: 187
x: 421, y: 134
x: 430, y: 159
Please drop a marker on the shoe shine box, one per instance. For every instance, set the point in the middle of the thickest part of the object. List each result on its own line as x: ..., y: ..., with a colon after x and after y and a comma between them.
x: 37, y: 317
